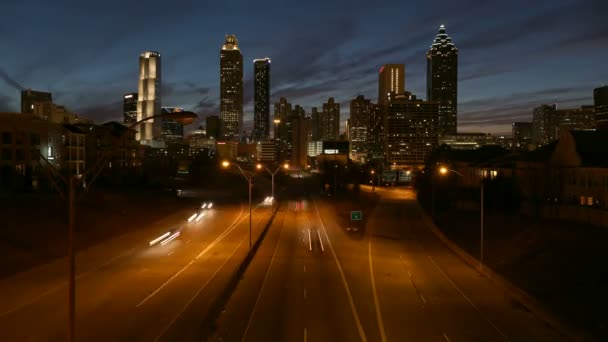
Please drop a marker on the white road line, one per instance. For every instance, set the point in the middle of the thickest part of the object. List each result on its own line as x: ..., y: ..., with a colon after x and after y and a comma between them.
x: 469, y: 300
x: 374, y: 291
x: 321, y: 241
x: 305, y: 335
x: 422, y: 298
x: 203, y: 252
x: 344, y: 282
x: 198, y: 292
x: 447, y: 339
x: 304, y: 268
x: 309, y: 240
x: 257, y: 300
x: 63, y: 284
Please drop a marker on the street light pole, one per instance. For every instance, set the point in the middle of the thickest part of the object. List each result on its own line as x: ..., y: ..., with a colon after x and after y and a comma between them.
x: 272, y: 174
x: 249, y: 178
x: 481, y: 230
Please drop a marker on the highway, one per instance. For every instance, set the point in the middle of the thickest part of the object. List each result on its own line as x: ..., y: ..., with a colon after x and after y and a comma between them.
x: 313, y: 280
x: 134, y: 287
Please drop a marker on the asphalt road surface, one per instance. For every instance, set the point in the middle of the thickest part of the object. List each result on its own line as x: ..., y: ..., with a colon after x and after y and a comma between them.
x: 128, y: 289
x: 312, y: 280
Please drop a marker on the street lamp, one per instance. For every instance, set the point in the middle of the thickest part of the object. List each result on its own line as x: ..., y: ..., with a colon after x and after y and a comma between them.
x: 184, y: 117
x: 373, y: 172
x: 226, y: 164
x: 272, y: 174
x: 443, y: 170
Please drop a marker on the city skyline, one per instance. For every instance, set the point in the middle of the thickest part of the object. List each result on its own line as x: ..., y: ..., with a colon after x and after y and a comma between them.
x: 498, y: 84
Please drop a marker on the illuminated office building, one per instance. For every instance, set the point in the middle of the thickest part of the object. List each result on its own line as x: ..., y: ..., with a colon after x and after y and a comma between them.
x: 261, y: 99
x: 391, y: 79
x: 231, y: 89
x: 130, y: 108
x: 149, y: 97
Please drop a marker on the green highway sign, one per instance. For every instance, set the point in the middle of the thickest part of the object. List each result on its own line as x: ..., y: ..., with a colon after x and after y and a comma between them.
x: 356, y: 215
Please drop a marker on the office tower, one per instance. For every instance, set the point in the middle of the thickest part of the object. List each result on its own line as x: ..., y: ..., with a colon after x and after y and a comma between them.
x: 522, y: 135
x: 329, y: 123
x: 544, y: 125
x: 375, y: 129
x: 410, y: 130
x: 578, y: 119
x: 149, y: 97
x: 360, y: 112
x: 213, y: 126
x: 261, y: 99
x: 129, y: 109
x: 600, y: 103
x: 172, y: 131
x: 315, y: 119
x: 298, y: 137
x: 37, y: 102
x: 282, y: 112
x: 391, y: 79
x: 442, y: 80
x: 231, y: 88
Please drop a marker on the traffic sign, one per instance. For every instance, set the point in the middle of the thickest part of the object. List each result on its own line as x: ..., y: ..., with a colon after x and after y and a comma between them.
x: 356, y: 215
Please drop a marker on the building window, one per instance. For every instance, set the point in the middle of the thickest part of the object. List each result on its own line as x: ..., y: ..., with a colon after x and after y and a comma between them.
x: 7, y: 154
x: 20, y: 138
x: 589, y: 200
x: 34, y: 139
x: 34, y: 155
x: 19, y: 155
x: 7, y: 138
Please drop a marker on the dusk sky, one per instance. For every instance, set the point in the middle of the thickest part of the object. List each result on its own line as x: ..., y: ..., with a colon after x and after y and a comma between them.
x: 513, y: 55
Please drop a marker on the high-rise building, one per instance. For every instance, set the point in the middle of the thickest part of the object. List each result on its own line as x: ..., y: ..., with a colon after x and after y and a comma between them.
x: 600, y: 102
x: 544, y: 124
x: 130, y: 109
x: 282, y: 112
x: 391, y: 79
x: 213, y: 126
x: 298, y: 137
x: 375, y: 129
x: 522, y: 135
x: 410, y: 130
x: 442, y: 80
x: 149, y: 97
x: 314, y: 123
x: 231, y: 88
x: 261, y: 99
x: 329, y: 123
x: 360, y: 112
x: 579, y: 119
x: 172, y: 131
x: 38, y: 103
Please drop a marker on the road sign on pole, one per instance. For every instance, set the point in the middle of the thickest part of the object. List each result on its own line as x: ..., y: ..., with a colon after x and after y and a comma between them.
x: 356, y: 215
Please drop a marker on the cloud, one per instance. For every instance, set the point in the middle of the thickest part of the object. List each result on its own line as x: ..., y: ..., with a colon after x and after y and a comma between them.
x: 6, y: 104
x: 5, y: 76
x: 112, y: 111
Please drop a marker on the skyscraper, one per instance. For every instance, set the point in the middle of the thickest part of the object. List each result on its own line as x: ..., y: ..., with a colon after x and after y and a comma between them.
x: 282, y: 112
x: 149, y: 97
x: 442, y: 80
x: 522, y: 135
x: 314, y: 123
x: 172, y: 131
x: 375, y: 129
x: 213, y: 126
x: 130, y: 109
x: 410, y: 130
x: 329, y: 123
x: 544, y: 124
x: 231, y: 88
x: 261, y: 99
x: 600, y: 102
x: 360, y: 111
x: 391, y: 79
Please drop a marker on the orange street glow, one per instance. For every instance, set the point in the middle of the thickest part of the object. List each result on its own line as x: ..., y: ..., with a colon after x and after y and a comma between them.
x: 153, y: 242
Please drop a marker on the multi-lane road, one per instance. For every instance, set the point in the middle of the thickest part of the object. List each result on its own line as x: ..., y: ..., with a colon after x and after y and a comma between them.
x: 133, y: 288
x: 313, y: 280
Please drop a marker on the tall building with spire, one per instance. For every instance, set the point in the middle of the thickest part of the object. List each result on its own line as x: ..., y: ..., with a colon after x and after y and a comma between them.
x: 261, y: 99
x: 149, y: 97
x: 231, y: 88
x: 442, y: 80
x: 391, y: 79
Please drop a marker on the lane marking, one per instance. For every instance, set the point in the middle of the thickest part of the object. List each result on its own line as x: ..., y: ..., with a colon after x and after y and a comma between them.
x: 320, y: 240
x: 344, y: 282
x: 170, y: 253
x: 309, y: 241
x: 422, y: 298
x: 257, y: 300
x: 304, y: 268
x: 228, y: 230
x: 411, y: 277
x: 469, y: 300
x: 305, y: 337
x: 63, y: 284
x: 374, y: 291
x: 164, y: 331
x: 447, y: 339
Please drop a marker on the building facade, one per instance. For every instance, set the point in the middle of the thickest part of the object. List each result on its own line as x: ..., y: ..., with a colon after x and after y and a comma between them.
x: 213, y: 127
x: 149, y: 97
x: 391, y: 79
x: 411, y: 130
x: 522, y: 135
x: 442, y: 80
x: 329, y: 123
x: 360, y: 113
x: 38, y: 103
x: 129, y: 109
x: 544, y: 125
x: 282, y: 112
x: 172, y: 131
x: 580, y: 119
x: 261, y: 99
x: 231, y: 89
x: 600, y: 103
